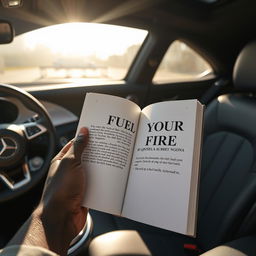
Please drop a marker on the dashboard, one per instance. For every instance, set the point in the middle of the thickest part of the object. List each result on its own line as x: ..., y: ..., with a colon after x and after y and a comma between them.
x: 15, y: 112
x: 9, y: 111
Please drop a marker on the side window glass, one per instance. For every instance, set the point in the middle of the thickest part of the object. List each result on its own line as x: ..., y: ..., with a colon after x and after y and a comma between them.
x: 180, y: 64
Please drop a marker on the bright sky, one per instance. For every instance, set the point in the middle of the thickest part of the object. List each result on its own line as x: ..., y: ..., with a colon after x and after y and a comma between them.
x: 83, y: 39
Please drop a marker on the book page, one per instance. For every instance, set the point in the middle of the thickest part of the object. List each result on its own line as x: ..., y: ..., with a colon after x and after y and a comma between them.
x: 112, y: 123
x: 159, y: 184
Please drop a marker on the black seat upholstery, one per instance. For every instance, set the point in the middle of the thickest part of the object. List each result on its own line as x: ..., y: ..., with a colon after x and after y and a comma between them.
x: 228, y: 178
x: 228, y: 173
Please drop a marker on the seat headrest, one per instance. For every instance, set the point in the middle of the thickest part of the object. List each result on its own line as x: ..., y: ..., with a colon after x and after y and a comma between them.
x: 244, y: 75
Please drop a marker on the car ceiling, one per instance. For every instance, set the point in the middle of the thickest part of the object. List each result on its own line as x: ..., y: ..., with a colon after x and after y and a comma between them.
x: 218, y: 31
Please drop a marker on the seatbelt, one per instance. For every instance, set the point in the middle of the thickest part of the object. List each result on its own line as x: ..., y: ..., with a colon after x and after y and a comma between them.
x: 213, y: 91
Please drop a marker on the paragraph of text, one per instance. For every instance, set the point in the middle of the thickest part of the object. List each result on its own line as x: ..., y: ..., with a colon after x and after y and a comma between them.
x: 108, y: 146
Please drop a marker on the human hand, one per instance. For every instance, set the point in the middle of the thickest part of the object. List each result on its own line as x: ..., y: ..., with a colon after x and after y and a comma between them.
x: 65, y: 187
x: 59, y: 216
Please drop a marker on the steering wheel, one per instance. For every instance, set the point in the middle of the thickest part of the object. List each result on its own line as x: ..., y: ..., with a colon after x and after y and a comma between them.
x: 19, y: 169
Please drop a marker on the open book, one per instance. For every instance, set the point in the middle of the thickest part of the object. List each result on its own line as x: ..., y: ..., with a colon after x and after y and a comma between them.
x: 143, y: 164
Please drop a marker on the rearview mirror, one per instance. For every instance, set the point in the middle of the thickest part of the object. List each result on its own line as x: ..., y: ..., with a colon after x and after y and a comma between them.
x: 6, y: 32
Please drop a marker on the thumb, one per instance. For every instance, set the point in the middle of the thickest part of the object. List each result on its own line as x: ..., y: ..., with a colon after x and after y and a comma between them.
x: 79, y: 143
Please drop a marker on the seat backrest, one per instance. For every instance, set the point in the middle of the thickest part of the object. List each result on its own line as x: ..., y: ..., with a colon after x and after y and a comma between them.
x: 228, y: 178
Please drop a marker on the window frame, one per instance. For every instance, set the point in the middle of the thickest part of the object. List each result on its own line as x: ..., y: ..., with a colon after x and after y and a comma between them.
x: 210, y: 75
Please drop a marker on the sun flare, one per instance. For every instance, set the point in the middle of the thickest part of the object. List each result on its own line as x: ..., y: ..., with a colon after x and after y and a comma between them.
x: 83, y: 39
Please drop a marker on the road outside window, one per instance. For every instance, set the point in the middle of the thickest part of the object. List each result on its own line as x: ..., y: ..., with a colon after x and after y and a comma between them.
x: 70, y: 52
x: 181, y: 64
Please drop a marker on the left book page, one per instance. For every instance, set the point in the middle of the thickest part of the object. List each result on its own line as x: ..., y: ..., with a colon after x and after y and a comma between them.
x: 112, y: 123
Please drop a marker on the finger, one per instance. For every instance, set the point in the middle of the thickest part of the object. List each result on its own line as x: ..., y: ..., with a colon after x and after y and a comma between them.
x: 80, y: 143
x: 63, y: 151
x: 66, y: 148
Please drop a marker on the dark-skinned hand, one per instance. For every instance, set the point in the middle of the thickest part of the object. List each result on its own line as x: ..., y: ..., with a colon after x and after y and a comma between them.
x: 59, y: 216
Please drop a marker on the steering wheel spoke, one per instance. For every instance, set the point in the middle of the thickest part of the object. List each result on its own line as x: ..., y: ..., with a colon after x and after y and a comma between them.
x: 25, y: 153
x: 33, y: 130
x: 17, y: 178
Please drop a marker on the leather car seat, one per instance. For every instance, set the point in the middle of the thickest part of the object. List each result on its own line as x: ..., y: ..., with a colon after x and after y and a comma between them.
x: 228, y: 177
x: 245, y: 246
x: 228, y: 171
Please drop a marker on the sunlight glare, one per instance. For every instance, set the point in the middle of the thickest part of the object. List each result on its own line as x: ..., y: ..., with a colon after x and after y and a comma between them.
x: 84, y: 39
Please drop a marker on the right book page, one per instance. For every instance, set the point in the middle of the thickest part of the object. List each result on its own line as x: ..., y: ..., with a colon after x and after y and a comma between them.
x: 163, y: 182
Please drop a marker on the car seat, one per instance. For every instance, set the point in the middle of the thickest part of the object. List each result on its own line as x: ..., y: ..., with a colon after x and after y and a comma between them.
x: 245, y: 246
x: 228, y: 172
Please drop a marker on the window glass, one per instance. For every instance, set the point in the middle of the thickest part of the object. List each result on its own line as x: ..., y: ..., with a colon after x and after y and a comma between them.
x: 181, y: 63
x: 83, y: 51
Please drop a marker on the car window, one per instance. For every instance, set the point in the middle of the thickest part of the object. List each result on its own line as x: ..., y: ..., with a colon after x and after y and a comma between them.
x: 70, y: 51
x: 181, y: 63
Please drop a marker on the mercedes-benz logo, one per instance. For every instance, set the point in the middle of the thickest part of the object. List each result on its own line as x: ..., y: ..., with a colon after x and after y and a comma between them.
x: 8, y: 147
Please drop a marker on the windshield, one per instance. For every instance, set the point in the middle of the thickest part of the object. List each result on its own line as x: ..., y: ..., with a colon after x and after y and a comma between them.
x: 70, y: 51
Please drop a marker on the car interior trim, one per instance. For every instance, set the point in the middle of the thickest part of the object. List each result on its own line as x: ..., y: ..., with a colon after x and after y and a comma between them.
x: 26, y: 180
x: 59, y: 115
x: 41, y: 130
